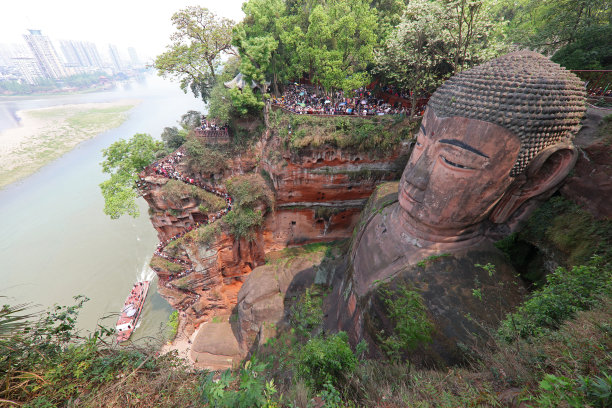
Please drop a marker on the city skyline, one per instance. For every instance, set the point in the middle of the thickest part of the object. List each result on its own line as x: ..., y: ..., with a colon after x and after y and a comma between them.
x: 46, y: 58
x: 125, y: 24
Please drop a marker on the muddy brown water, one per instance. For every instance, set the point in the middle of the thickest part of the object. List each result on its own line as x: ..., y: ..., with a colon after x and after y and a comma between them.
x: 56, y: 242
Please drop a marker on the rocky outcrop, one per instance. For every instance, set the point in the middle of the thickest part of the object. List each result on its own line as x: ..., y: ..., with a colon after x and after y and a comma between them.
x: 590, y: 184
x: 320, y: 192
x: 215, y: 346
x: 219, y: 269
x: 263, y: 298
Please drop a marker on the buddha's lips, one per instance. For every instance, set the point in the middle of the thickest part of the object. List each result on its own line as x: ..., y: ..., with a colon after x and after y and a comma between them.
x: 409, y: 193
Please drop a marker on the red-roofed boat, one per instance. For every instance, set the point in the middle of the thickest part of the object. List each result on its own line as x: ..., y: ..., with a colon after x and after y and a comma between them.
x: 131, y: 311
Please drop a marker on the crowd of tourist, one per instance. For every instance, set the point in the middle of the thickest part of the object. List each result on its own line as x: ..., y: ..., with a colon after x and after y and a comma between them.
x: 394, y: 91
x: 600, y: 91
x: 167, y: 167
x: 305, y: 99
x: 209, y: 125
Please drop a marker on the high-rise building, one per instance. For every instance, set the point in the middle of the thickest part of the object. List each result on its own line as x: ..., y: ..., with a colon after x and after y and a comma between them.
x: 70, y: 54
x: 134, y: 57
x: 91, y: 51
x: 27, y: 67
x: 115, y: 59
x: 44, y: 52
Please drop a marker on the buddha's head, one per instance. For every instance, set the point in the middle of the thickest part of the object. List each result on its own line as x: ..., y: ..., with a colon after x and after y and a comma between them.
x: 492, y: 138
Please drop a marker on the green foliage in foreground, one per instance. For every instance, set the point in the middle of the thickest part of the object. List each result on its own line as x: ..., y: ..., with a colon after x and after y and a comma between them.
x: 307, y: 313
x: 48, y: 364
x: 246, y: 388
x: 566, y: 293
x: 173, y: 324
x: 411, y: 328
x: 49, y: 358
x: 326, y: 360
x: 123, y: 160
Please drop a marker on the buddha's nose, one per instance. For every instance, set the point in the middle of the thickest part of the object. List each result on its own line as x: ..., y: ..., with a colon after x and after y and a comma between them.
x: 419, y: 175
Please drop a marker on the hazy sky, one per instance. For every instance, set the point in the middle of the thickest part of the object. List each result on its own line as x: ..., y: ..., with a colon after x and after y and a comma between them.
x: 142, y: 24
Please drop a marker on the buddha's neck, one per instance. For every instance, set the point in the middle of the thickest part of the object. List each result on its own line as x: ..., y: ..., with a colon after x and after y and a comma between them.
x: 442, y: 239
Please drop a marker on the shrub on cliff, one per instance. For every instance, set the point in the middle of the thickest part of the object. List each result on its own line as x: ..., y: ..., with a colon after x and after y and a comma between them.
x: 175, y: 191
x: 373, y: 135
x: 202, y: 158
x: 250, y: 191
x: 243, y: 222
x: 411, y: 326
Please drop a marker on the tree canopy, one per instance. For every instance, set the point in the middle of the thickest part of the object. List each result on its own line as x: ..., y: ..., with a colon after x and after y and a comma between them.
x: 435, y: 39
x: 546, y: 26
x: 345, y: 44
x: 123, y: 160
x: 194, y: 56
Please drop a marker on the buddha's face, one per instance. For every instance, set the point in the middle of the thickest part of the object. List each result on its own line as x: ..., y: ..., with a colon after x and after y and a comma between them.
x: 458, y: 171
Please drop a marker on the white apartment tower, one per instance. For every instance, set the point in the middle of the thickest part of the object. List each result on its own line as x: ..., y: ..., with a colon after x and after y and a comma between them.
x: 45, y: 54
x: 115, y: 59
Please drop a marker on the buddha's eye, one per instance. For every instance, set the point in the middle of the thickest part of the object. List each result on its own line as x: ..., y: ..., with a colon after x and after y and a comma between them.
x: 451, y: 163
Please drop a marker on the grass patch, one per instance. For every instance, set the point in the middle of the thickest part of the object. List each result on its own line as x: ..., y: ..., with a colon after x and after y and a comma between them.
x: 250, y: 191
x: 207, y: 234
x: 424, y: 262
x: 378, y: 135
x: 243, y: 222
x: 160, y: 264
x: 203, y: 158
x: 175, y: 191
x: 571, y: 230
x: 183, y: 283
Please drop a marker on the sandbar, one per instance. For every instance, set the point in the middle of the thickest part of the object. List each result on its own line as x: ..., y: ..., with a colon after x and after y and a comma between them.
x: 46, y: 134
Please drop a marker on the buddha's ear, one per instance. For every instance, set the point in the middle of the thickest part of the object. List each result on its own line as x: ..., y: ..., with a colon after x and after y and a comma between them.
x: 541, y: 179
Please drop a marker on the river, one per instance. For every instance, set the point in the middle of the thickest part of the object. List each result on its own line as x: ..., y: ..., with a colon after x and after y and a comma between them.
x: 56, y: 242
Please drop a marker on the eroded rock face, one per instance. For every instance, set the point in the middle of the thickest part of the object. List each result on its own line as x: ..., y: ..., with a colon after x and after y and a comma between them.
x: 219, y: 269
x: 263, y: 297
x: 319, y: 197
x: 590, y: 185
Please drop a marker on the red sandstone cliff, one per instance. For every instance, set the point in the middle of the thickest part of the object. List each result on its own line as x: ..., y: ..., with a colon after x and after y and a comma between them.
x: 319, y: 195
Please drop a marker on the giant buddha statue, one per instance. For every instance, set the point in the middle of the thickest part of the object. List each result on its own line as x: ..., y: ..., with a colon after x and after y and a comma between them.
x: 495, y: 141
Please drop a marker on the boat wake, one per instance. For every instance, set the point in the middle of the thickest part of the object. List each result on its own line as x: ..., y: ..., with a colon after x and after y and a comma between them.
x: 146, y: 273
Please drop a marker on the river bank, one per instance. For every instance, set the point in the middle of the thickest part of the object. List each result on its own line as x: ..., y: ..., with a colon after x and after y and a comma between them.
x: 48, y: 133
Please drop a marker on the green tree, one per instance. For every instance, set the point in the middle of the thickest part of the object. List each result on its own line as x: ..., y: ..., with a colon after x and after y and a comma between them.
x: 592, y: 49
x: 191, y: 120
x: 193, y: 57
x: 338, y: 44
x: 414, y: 54
x: 257, y: 39
x: 546, y: 26
x: 173, y: 137
x: 435, y: 39
x: 123, y: 160
x: 220, y: 104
